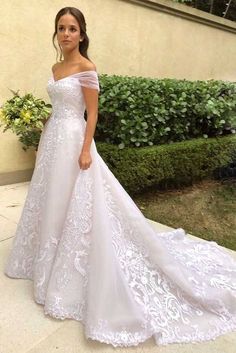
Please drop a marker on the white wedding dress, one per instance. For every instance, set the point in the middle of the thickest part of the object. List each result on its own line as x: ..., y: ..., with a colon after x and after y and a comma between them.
x: 92, y: 255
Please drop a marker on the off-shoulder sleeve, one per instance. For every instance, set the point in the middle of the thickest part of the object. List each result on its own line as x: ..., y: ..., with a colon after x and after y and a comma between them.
x: 89, y: 79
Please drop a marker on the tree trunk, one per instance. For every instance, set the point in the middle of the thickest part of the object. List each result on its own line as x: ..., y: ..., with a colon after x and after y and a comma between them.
x: 212, y: 6
x: 227, y: 8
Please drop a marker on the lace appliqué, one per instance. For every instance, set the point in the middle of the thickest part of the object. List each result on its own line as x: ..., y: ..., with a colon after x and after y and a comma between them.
x: 164, y: 304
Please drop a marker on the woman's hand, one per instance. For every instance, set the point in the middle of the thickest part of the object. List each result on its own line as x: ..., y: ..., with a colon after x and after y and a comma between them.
x: 85, y: 160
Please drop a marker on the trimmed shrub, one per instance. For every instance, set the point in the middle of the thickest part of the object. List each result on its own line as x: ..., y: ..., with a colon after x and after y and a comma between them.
x: 168, y: 166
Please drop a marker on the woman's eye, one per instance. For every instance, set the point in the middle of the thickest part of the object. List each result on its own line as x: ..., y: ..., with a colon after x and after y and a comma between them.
x: 73, y: 29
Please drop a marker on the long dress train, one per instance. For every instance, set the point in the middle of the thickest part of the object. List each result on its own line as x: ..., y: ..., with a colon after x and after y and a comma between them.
x: 92, y: 255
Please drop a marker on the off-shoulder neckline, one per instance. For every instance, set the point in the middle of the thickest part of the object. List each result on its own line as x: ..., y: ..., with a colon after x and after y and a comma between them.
x: 76, y: 73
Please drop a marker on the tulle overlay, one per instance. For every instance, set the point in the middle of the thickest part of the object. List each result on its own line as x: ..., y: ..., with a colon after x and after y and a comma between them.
x: 93, y: 257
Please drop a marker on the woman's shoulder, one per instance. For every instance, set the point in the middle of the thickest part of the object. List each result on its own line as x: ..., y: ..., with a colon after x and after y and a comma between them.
x: 55, y: 66
x: 86, y: 65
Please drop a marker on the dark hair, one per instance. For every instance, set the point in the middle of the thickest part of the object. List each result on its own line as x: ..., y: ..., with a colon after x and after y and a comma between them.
x: 83, y: 47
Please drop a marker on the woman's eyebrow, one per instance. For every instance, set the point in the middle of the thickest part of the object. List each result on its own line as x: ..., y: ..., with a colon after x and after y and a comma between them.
x: 69, y: 25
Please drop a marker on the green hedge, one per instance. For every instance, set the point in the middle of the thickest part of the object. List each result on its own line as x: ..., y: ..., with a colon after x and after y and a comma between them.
x: 165, y: 166
x: 139, y: 111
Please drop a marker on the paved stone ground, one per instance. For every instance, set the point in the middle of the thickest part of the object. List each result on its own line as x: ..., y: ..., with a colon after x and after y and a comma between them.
x: 25, y: 328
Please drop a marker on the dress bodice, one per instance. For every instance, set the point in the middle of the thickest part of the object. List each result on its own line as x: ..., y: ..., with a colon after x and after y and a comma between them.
x: 67, y: 96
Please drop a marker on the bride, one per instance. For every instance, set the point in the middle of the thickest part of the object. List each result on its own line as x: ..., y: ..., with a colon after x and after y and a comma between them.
x: 91, y: 254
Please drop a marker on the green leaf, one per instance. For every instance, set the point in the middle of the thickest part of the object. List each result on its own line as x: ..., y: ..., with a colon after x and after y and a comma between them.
x: 121, y: 145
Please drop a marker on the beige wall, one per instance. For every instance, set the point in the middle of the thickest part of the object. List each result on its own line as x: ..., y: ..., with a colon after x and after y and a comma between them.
x: 125, y: 38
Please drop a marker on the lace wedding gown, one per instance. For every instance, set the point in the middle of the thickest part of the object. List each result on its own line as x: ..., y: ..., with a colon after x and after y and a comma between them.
x: 93, y: 256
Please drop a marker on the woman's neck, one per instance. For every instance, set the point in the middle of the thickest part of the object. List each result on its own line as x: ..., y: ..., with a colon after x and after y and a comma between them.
x: 71, y: 57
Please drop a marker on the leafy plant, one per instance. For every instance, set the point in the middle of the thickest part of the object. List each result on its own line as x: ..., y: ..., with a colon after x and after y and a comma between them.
x: 139, y: 111
x: 25, y: 116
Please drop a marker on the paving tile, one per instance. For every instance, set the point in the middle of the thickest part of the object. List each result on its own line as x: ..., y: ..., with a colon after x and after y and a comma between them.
x: 11, y: 212
x: 13, y: 192
x: 7, y: 228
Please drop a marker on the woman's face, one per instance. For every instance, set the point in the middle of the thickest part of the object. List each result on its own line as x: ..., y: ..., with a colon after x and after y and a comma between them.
x: 68, y: 32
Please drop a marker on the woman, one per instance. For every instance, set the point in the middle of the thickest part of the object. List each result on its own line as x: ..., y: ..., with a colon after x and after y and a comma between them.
x: 90, y: 252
